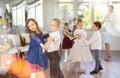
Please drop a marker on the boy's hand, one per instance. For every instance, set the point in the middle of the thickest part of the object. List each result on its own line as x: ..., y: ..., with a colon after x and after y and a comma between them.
x: 49, y: 39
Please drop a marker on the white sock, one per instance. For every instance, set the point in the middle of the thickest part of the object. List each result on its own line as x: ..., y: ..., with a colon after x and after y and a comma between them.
x: 66, y: 54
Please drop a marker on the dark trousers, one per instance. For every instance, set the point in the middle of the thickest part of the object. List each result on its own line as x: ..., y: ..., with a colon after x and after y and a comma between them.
x: 96, y: 54
x: 55, y: 71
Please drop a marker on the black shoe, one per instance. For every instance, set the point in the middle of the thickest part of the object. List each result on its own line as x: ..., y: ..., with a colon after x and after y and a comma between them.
x: 100, y: 68
x: 94, y: 72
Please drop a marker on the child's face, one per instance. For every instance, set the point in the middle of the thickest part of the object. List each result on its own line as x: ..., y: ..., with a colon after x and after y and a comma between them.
x: 80, y: 25
x: 32, y: 26
x: 54, y: 26
x: 66, y: 26
x: 95, y: 28
x: 78, y: 36
x: 75, y: 22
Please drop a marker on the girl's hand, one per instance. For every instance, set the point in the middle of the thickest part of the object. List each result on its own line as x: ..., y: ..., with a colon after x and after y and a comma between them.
x: 49, y: 40
x: 43, y: 48
x: 70, y: 38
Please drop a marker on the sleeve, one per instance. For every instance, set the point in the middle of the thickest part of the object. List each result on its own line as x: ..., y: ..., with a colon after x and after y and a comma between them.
x: 93, y: 39
x: 46, y: 35
x: 84, y: 42
x: 33, y: 36
x: 69, y: 32
x: 55, y: 36
x: 83, y: 35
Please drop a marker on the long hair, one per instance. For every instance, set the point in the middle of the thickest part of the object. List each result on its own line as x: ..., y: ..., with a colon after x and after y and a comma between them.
x: 28, y: 30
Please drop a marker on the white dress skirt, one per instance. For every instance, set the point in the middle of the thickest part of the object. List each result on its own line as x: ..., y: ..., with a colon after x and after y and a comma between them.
x: 80, y: 52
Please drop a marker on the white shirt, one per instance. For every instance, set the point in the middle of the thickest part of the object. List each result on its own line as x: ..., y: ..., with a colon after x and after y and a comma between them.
x: 55, y: 44
x: 95, y: 41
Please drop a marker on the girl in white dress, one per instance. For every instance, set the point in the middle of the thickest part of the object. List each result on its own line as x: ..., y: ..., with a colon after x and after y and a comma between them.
x: 79, y: 52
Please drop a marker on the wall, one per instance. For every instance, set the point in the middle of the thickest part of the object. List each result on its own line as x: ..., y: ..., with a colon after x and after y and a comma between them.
x: 48, y: 13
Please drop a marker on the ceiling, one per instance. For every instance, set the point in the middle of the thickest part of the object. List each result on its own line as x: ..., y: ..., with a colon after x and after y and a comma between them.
x: 7, y: 1
x: 13, y: 2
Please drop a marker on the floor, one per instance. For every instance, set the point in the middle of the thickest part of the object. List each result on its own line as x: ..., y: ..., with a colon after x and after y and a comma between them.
x: 110, y: 69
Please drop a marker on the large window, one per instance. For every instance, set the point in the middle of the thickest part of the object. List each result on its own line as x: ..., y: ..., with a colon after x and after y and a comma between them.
x: 95, y: 10
x: 14, y: 15
x: 18, y: 14
x: 85, y: 12
x: 66, y: 10
x: 35, y: 11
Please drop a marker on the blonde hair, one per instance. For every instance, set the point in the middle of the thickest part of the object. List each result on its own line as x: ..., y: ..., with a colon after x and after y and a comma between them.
x: 57, y: 21
x: 28, y: 30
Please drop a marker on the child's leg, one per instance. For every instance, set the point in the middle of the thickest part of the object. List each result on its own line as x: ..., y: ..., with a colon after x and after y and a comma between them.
x: 97, y: 60
x: 68, y: 52
x: 55, y: 71
x: 33, y: 75
x: 78, y: 66
x: 98, y: 66
x: 40, y: 74
x: 68, y: 65
x: 66, y: 55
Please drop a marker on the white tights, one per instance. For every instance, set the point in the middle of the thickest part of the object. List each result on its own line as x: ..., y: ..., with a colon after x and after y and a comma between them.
x: 66, y: 54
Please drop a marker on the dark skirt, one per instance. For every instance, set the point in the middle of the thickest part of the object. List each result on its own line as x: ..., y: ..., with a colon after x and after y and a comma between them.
x: 67, y: 43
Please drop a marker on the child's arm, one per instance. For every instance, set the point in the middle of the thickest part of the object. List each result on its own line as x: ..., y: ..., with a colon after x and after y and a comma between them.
x: 93, y: 39
x: 45, y: 35
x: 51, y: 38
x: 39, y: 41
x: 64, y: 32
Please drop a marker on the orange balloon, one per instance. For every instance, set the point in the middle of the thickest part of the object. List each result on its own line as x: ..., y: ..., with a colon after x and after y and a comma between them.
x: 20, y: 68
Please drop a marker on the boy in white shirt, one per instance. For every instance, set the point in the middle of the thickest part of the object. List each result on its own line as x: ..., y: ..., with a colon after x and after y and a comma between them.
x: 96, y: 44
x: 53, y: 46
